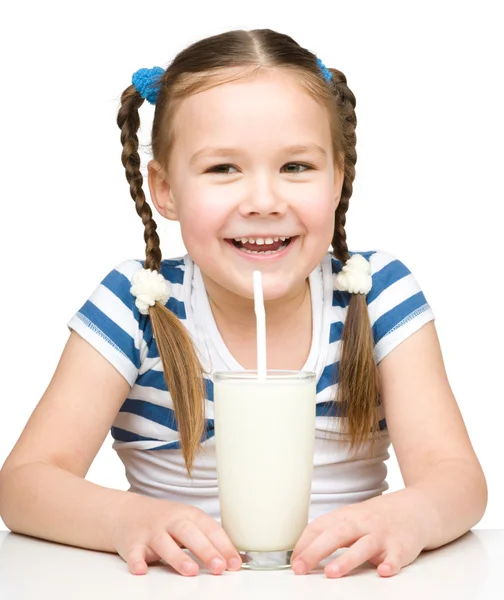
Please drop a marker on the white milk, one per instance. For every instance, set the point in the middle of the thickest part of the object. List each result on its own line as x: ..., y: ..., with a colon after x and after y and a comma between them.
x: 264, y: 435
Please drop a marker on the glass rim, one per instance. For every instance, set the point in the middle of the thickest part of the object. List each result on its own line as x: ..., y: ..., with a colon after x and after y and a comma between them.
x: 271, y: 374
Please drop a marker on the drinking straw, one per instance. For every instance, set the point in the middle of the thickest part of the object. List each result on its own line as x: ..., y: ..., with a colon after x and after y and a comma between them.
x: 261, y: 324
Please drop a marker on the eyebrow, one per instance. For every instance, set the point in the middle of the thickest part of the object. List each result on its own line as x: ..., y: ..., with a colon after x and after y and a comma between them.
x: 293, y: 149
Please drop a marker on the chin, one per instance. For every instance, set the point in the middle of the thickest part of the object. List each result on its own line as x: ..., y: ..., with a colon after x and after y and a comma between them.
x: 275, y: 291
x: 270, y: 292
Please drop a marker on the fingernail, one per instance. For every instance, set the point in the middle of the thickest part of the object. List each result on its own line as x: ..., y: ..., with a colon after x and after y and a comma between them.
x: 334, y: 570
x: 235, y: 564
x: 138, y: 567
x: 187, y: 567
x: 299, y: 567
x: 217, y: 564
x: 388, y: 568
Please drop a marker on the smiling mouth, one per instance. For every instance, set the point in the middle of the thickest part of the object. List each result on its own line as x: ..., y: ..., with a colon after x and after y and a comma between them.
x: 261, y: 245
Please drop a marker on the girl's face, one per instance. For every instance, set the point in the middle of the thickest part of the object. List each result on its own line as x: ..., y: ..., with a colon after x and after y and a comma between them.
x: 251, y: 164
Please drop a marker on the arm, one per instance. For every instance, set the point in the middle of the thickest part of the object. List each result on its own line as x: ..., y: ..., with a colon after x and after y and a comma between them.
x: 43, y: 492
x: 42, y: 488
x: 445, y: 493
x: 445, y: 485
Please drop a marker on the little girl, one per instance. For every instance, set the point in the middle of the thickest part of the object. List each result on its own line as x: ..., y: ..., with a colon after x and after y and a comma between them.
x: 254, y: 155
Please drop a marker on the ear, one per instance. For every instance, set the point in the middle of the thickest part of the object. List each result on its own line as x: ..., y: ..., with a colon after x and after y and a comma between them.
x: 160, y: 191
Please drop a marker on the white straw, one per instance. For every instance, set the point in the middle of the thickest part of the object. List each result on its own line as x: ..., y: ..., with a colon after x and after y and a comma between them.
x: 261, y: 324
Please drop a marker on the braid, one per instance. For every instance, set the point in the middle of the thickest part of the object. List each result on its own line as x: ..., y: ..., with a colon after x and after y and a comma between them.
x: 347, y: 105
x: 181, y: 366
x: 339, y: 244
x: 358, y: 375
x: 128, y: 121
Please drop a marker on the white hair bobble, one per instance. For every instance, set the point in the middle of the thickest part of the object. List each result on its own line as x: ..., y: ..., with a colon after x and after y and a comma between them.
x: 355, y: 277
x: 149, y: 286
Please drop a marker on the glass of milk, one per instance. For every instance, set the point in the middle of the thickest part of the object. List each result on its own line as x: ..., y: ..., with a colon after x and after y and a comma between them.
x: 264, y: 437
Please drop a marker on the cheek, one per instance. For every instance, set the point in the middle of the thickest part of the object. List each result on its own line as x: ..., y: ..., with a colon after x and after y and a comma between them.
x: 202, y: 213
x: 319, y: 214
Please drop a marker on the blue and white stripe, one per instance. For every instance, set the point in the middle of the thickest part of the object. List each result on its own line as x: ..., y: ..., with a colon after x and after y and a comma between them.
x: 110, y: 321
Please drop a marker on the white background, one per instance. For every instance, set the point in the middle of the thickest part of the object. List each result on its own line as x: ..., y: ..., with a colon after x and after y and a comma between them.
x: 428, y: 82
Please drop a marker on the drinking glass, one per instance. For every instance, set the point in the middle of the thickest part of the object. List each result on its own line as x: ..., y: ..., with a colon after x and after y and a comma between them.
x: 264, y: 436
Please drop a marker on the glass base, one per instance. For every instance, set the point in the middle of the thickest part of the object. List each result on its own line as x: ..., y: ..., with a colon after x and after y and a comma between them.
x: 266, y: 561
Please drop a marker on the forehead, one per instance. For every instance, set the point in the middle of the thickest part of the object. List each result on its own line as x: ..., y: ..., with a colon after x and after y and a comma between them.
x: 271, y: 103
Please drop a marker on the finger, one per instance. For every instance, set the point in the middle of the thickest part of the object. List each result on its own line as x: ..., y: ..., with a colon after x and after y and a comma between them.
x: 166, y: 548
x: 325, y: 544
x: 309, y: 534
x: 362, y: 550
x: 219, y: 538
x: 391, y: 564
x: 316, y: 528
x: 191, y: 536
x: 136, y: 559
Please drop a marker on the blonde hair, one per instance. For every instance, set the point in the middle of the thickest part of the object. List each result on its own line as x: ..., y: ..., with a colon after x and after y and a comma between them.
x: 198, y: 67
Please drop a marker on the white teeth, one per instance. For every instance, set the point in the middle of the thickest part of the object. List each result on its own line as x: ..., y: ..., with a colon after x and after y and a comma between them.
x: 260, y: 241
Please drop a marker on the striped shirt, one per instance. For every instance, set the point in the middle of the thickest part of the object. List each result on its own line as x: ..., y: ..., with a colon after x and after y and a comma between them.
x: 145, y: 430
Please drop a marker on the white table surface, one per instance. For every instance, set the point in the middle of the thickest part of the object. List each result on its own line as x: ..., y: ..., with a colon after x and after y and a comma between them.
x: 471, y: 568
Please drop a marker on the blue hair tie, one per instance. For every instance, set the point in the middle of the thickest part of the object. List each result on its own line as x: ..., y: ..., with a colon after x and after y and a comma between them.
x: 146, y: 83
x: 324, y: 70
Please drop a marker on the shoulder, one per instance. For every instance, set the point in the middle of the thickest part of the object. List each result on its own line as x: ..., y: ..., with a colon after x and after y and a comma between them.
x: 172, y: 269
x: 110, y: 320
x: 397, y: 306
x: 119, y: 279
x: 386, y: 270
x: 113, y: 298
x: 377, y: 258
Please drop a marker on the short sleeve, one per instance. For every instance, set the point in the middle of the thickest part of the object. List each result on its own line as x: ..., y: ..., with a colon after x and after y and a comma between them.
x: 111, y: 323
x: 397, y: 306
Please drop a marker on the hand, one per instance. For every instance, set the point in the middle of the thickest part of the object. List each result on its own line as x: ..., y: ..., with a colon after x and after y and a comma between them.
x: 376, y: 530
x: 149, y: 529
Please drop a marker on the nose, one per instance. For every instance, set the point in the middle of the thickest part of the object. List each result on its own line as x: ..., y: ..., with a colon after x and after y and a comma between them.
x: 262, y: 199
